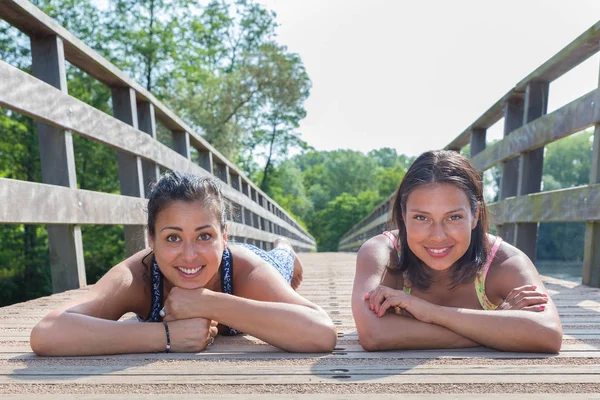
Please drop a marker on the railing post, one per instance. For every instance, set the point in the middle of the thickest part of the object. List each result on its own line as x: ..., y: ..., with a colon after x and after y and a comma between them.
x: 147, y: 123
x: 181, y: 140
x: 205, y: 160
x: 591, y: 253
x: 58, y: 168
x: 130, y: 166
x: 531, y: 165
x: 477, y: 141
x: 513, y: 119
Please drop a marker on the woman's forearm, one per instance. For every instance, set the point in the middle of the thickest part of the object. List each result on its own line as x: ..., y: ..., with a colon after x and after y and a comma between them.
x: 291, y: 327
x: 71, y: 334
x: 396, y: 332
x: 510, y: 330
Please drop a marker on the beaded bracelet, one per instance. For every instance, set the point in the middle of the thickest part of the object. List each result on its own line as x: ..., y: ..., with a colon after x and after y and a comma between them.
x: 168, y: 337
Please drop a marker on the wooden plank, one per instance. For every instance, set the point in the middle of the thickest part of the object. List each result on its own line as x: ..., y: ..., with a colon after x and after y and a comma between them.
x: 591, y: 254
x: 531, y: 166
x: 487, y: 119
x: 477, y: 140
x: 564, y: 205
x: 573, y: 54
x: 579, y: 50
x: 270, y: 371
x: 57, y: 160
x: 147, y: 123
x: 573, y: 117
x: 131, y: 177
x: 333, y: 379
x: 315, y: 396
x: 22, y: 93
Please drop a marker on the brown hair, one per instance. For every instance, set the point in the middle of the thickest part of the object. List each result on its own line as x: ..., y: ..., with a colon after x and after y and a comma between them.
x: 443, y: 166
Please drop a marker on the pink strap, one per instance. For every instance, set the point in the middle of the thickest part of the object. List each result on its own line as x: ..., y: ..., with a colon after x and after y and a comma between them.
x: 393, y: 238
x: 491, y: 256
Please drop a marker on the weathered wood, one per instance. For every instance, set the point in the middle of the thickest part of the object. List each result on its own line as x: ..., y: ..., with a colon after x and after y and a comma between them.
x: 591, y: 253
x: 477, y: 140
x: 57, y: 160
x: 579, y: 50
x: 24, y: 94
x: 513, y: 119
x: 33, y: 203
x: 304, y: 395
x: 565, y: 205
x: 147, y: 123
x: 51, y: 106
x: 181, y: 140
x: 573, y: 54
x: 205, y: 160
x: 489, y: 118
x: 131, y: 176
x: 573, y: 117
x: 531, y: 165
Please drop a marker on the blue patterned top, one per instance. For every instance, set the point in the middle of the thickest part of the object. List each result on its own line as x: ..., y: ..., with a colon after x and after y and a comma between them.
x: 281, y: 259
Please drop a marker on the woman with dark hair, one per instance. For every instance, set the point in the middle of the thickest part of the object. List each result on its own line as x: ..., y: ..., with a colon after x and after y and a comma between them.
x: 183, y: 286
x: 441, y: 280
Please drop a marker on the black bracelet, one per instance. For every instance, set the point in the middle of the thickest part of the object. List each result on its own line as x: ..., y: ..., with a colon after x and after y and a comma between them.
x: 168, y: 337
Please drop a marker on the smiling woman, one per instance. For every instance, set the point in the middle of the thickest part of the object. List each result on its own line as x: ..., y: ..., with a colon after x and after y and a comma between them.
x: 184, y: 286
x: 441, y: 280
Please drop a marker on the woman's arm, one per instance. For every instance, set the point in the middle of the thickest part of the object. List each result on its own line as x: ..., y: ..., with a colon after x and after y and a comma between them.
x: 510, y: 329
x: 391, y: 331
x: 88, y: 325
x: 264, y: 306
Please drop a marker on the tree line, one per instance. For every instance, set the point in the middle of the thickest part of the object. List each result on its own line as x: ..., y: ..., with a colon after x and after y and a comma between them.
x: 220, y: 67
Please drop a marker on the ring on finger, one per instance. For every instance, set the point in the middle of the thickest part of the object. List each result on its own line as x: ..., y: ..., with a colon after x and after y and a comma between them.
x: 212, y: 341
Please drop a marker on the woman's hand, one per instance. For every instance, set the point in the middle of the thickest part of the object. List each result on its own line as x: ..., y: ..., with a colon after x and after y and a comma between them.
x: 192, y: 335
x: 184, y: 304
x: 525, y: 298
x: 384, y: 297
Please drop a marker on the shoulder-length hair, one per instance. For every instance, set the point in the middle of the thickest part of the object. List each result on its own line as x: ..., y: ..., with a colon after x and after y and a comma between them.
x: 450, y: 167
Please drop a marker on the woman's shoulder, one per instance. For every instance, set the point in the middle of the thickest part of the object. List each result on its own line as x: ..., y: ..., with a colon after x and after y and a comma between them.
x: 134, y: 277
x: 386, y: 242
x: 507, y: 256
x: 509, y: 267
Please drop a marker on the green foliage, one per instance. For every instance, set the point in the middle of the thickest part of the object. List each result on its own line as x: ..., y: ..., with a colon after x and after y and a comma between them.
x: 332, y: 191
x: 339, y: 216
x: 567, y: 163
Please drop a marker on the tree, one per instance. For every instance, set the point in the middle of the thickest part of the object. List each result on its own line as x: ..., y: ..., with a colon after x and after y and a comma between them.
x: 567, y: 163
x: 330, y: 224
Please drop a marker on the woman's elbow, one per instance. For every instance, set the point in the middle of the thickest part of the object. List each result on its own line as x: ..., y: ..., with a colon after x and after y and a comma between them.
x: 368, y: 340
x: 553, y: 340
x: 38, y: 339
x: 327, y: 339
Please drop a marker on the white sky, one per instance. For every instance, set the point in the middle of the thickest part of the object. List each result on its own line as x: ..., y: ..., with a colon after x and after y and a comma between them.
x: 414, y: 74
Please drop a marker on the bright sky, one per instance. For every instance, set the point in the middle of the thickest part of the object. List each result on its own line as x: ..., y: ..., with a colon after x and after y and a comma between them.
x: 414, y: 74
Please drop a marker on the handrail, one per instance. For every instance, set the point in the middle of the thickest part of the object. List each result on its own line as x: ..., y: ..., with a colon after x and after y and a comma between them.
x: 527, y: 129
x: 58, y: 203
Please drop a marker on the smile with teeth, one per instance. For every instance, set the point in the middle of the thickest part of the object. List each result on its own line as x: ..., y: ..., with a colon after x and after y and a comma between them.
x: 438, y: 251
x: 189, y: 271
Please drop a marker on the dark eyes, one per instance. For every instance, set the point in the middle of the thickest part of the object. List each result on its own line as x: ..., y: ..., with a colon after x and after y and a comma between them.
x: 204, y: 236
x: 173, y: 238
x: 454, y: 217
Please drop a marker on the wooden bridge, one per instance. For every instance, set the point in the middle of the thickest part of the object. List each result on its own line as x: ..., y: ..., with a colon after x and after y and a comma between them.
x: 520, y: 156
x: 242, y: 365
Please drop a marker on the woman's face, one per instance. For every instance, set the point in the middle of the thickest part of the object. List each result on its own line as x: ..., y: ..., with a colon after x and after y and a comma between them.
x: 188, y: 244
x: 439, y: 222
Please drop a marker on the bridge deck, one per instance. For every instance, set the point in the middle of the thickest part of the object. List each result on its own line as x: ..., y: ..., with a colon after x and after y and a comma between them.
x: 246, y: 366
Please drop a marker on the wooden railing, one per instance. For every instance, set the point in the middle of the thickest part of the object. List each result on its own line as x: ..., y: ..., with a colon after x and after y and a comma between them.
x: 131, y: 131
x: 520, y: 155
